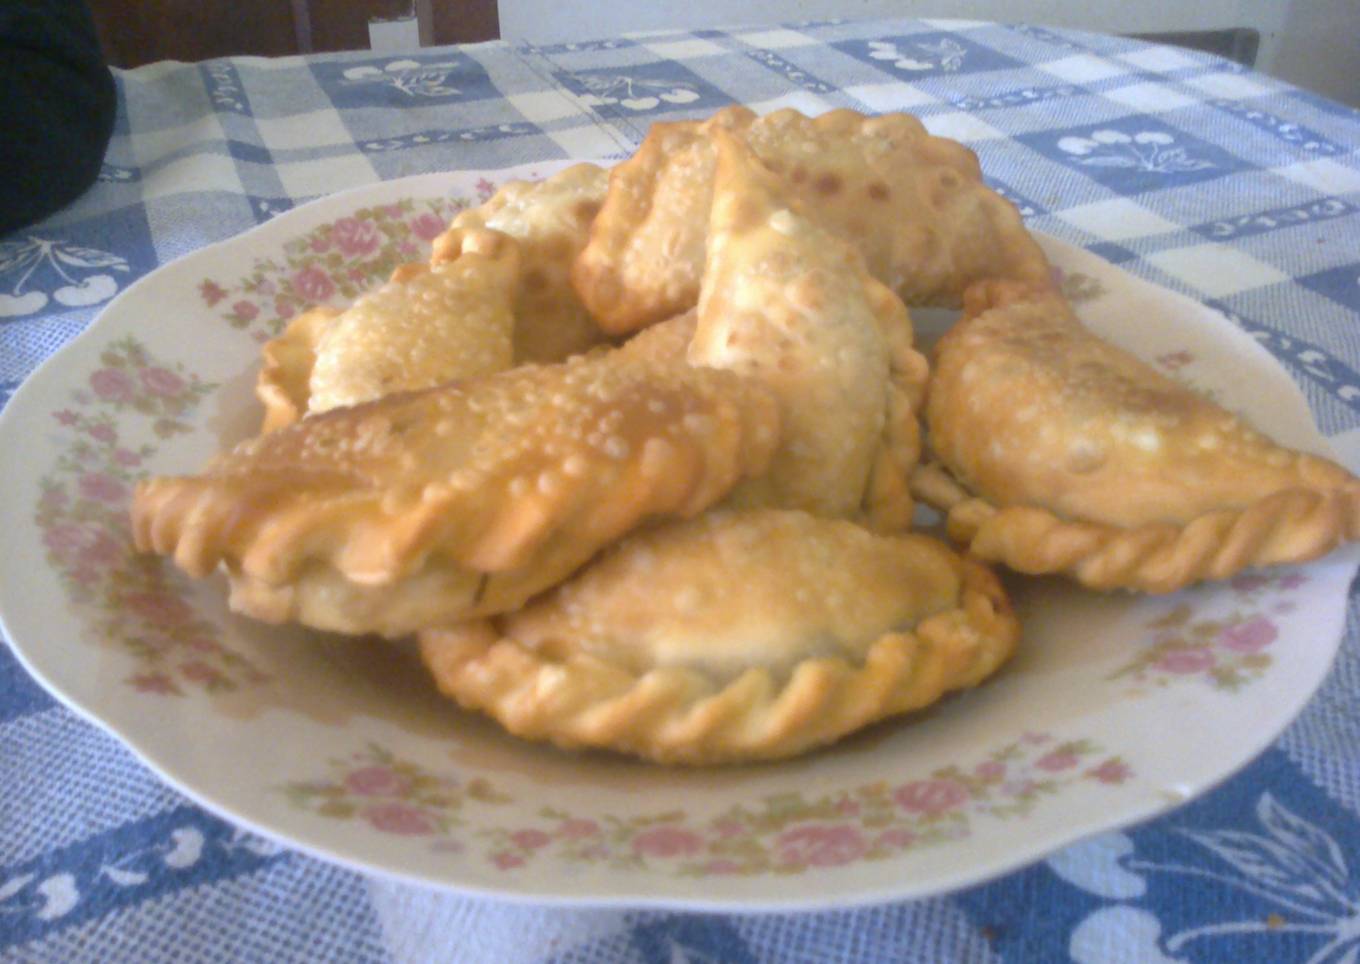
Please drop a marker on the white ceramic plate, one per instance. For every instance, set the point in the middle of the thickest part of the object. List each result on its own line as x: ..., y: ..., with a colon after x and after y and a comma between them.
x: 1116, y: 708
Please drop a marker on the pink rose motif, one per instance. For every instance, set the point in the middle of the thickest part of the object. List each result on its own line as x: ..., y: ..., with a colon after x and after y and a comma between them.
x: 427, y: 226
x: 398, y: 818
x: 212, y: 292
x: 158, y: 608
x: 113, y: 385
x: 376, y: 781
x: 930, y: 796
x: 1056, y: 761
x: 152, y: 683
x: 506, y: 860
x: 159, y: 381
x: 895, y: 838
x: 820, y: 845
x: 103, y: 550
x: 727, y: 827
x: 1186, y: 661
x: 393, y: 210
x: 576, y: 828
x: 1292, y: 580
x: 284, y: 307
x: 1251, y: 636
x: 667, y: 841
x: 105, y: 433
x: 321, y: 243
x: 354, y: 237
x: 1112, y: 770
x: 530, y: 839
x: 200, y: 672
x: 313, y: 284
x: 70, y: 541
x: 990, y: 770
x: 245, y: 310
x: 66, y: 416
x: 102, y: 488
x: 54, y: 498
x: 126, y: 458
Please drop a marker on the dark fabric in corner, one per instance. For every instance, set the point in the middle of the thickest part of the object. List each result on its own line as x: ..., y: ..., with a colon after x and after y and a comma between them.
x: 57, y: 105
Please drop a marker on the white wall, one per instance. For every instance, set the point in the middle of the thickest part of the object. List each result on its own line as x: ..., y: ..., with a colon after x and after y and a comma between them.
x: 1312, y: 43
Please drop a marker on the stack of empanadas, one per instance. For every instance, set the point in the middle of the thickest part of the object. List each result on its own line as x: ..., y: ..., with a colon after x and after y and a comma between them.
x: 635, y: 454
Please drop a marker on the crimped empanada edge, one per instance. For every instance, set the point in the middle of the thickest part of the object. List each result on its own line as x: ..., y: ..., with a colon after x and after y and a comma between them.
x: 679, y: 716
x: 1293, y: 525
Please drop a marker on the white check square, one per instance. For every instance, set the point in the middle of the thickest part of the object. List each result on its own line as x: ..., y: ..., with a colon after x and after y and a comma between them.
x: 1216, y: 270
x: 325, y: 174
x: 318, y: 128
x: 1228, y: 86
x: 587, y: 141
x: 1083, y: 68
x: 690, y: 48
x: 1159, y: 59
x: 776, y: 39
x: 542, y: 107
x: 194, y: 173
x: 960, y: 126
x: 152, y: 145
x: 1118, y: 219
x: 1323, y: 175
x: 1149, y: 98
x: 890, y: 97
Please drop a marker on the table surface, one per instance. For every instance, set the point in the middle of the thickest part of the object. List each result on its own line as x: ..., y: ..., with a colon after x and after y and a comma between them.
x: 1184, y: 169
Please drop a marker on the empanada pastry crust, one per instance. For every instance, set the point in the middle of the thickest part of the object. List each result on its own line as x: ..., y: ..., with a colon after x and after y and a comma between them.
x: 740, y: 635
x: 429, y: 507
x: 550, y: 221
x: 1058, y: 452
x: 283, y: 384
x: 785, y: 302
x: 914, y: 205
x: 427, y: 325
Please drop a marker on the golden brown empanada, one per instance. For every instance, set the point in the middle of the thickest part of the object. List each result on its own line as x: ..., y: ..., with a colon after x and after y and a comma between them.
x: 283, y: 382
x: 1058, y: 452
x: 427, y: 325
x: 429, y: 507
x: 785, y: 302
x: 550, y: 220
x: 914, y: 205
x: 739, y: 635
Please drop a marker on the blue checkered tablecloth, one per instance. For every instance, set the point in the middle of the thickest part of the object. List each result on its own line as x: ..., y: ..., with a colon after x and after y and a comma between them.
x: 1184, y: 169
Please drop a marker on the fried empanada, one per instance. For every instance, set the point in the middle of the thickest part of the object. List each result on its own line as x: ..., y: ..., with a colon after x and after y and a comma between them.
x: 1058, y: 452
x: 914, y: 205
x: 429, y: 324
x: 739, y: 635
x: 430, y: 507
x: 785, y: 302
x: 283, y: 384
x: 550, y: 220
x: 426, y: 325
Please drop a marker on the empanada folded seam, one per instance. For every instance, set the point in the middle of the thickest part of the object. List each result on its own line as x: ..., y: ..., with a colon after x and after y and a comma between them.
x: 1289, y: 526
x: 680, y: 715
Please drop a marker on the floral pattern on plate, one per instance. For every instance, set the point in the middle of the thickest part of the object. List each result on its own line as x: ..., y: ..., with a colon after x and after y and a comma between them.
x: 1226, y: 652
x: 126, y: 597
x: 786, y: 833
x: 335, y: 262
